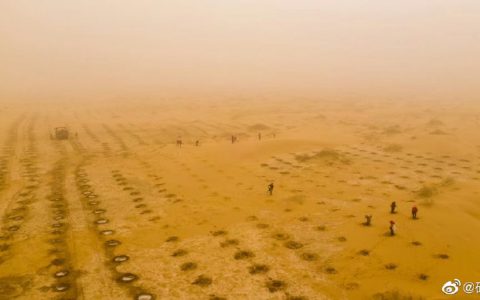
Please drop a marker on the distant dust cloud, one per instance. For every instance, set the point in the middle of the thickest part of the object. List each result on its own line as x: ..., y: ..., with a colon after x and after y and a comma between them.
x: 91, y: 49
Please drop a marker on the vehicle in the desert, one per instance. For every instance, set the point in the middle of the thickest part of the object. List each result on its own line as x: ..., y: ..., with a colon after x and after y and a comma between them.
x: 61, y: 133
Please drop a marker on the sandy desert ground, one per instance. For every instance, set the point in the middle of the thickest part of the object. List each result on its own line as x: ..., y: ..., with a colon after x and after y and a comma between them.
x: 119, y: 211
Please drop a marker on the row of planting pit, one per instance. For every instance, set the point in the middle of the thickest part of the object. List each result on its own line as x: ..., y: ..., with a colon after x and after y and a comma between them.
x: 92, y: 202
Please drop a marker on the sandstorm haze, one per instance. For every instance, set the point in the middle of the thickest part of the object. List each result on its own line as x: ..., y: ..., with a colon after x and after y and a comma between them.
x: 239, y: 150
x: 67, y: 50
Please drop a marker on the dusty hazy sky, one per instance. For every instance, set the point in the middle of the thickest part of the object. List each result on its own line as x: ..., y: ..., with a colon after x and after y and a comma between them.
x: 69, y: 49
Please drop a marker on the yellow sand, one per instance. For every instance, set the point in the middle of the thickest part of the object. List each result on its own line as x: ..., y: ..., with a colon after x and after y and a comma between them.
x: 331, y: 163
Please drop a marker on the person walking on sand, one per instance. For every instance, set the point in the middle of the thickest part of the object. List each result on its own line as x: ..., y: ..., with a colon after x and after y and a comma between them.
x: 197, y: 143
x: 393, y: 228
x: 393, y: 206
x: 270, y: 188
x: 368, y: 220
x: 259, y: 136
x: 414, y: 212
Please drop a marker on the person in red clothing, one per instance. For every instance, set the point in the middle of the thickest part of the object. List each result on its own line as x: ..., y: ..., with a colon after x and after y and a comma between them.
x: 414, y: 212
x: 393, y: 228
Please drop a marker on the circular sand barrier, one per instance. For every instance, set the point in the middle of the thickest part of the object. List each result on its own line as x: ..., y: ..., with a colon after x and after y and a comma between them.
x: 390, y: 266
x: 275, y: 285
x: 243, y: 254
x: 281, y: 236
x: 179, y: 252
x: 112, y: 243
x: 56, y: 241
x: 262, y: 225
x: 144, y: 296
x: 57, y: 205
x: 188, y: 266
x: 172, y: 239
x: 13, y: 228
x: 107, y: 232
x: 127, y: 278
x: 120, y: 258
x: 309, y: 256
x: 16, y: 218
x: 202, y: 281
x: 219, y: 233
x: 229, y: 242
x: 258, y: 269
x: 60, y: 274
x: 293, y: 245
x: 58, y: 261
x: 61, y: 287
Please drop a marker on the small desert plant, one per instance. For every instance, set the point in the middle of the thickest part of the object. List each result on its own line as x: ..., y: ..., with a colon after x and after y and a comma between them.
x: 427, y: 192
